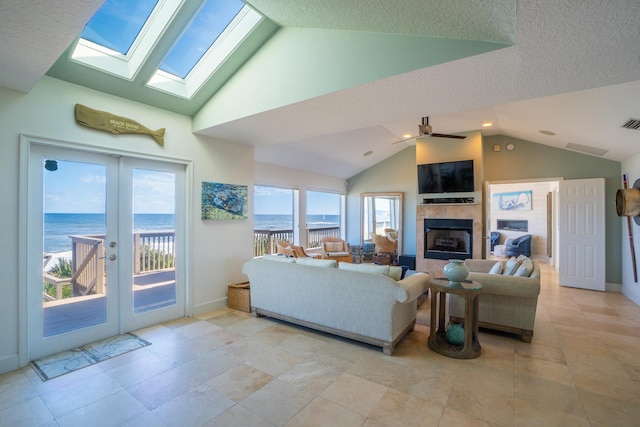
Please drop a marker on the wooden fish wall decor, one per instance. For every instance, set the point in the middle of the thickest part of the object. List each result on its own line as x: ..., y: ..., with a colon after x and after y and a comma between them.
x: 101, y: 120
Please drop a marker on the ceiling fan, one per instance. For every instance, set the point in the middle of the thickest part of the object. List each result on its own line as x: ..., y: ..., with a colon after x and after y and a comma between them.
x: 425, y: 130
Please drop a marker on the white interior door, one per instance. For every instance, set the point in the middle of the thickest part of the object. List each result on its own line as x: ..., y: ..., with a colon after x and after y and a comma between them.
x: 581, y: 233
x: 105, y: 246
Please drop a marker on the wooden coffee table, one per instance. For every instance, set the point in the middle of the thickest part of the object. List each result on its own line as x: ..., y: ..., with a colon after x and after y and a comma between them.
x: 469, y: 290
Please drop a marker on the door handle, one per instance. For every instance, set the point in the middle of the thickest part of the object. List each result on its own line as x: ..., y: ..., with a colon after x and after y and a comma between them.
x: 112, y: 257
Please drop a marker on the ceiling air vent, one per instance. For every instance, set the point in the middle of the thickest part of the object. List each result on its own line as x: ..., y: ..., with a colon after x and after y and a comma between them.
x: 633, y: 124
x: 587, y: 149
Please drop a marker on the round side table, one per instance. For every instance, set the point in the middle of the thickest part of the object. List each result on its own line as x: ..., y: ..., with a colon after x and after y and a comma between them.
x: 469, y: 290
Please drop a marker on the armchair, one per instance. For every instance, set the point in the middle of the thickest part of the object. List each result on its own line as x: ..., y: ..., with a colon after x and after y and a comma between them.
x: 336, y: 248
x: 283, y: 247
x: 495, y: 238
x: 387, y: 244
x: 519, y: 246
x: 295, y: 251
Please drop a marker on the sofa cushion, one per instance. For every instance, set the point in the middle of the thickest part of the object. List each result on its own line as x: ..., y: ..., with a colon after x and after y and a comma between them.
x: 525, y: 269
x: 365, y: 268
x: 330, y: 263
x: 496, y: 269
x: 510, y: 267
x: 280, y: 258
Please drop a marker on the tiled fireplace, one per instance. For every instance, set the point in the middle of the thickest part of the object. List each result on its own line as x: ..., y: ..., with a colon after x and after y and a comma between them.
x: 448, y: 238
x: 447, y: 231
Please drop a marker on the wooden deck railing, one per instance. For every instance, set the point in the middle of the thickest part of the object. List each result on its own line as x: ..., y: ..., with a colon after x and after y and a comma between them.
x: 153, y: 250
x: 87, y: 261
x: 264, y: 241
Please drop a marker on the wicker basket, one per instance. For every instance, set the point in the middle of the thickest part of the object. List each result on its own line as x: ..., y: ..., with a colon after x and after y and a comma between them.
x: 239, y: 297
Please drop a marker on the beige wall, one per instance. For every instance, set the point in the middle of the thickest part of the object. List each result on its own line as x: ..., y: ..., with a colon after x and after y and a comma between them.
x: 218, y: 248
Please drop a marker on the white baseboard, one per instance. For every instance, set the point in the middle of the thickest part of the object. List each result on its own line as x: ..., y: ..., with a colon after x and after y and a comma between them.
x: 9, y: 363
x: 613, y: 287
x: 209, y: 306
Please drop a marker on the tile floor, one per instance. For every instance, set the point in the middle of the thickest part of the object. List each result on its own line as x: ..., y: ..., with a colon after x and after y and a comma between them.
x: 229, y: 369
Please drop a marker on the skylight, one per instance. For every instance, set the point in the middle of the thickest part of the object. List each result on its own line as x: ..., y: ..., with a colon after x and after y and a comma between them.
x: 231, y: 35
x: 122, y: 36
x: 109, y: 47
x: 117, y: 24
x: 199, y: 35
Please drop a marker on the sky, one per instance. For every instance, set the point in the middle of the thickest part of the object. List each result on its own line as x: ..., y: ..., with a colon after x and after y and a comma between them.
x: 77, y: 187
x: 279, y: 201
x: 118, y: 22
x: 80, y: 188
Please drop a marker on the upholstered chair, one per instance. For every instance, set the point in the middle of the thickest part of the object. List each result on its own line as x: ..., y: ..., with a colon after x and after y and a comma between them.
x: 336, y: 248
x: 519, y: 246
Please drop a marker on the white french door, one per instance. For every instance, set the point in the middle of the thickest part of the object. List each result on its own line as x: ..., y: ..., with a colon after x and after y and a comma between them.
x: 105, y: 246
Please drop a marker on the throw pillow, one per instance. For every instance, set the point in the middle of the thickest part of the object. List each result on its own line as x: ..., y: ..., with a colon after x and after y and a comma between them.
x: 395, y: 272
x: 333, y: 246
x: 365, y: 268
x: 521, y: 258
x: 510, y: 267
x: 331, y: 263
x: 280, y: 258
x: 525, y: 269
x: 496, y: 269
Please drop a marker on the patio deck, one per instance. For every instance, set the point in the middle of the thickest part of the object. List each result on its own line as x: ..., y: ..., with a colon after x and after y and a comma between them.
x: 151, y: 291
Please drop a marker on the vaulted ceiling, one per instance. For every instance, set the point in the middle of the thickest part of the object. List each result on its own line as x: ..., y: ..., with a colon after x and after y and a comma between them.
x: 324, y: 82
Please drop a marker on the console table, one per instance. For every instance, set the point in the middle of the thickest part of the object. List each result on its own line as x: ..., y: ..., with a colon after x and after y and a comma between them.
x: 469, y: 290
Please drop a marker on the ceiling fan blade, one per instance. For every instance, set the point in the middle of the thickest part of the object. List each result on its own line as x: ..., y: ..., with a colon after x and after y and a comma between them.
x: 403, y: 140
x: 444, y: 135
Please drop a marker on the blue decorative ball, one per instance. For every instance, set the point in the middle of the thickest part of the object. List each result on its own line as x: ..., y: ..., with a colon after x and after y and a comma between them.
x: 455, y: 334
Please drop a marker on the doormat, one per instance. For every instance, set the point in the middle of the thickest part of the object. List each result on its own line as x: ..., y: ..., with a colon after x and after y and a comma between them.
x: 68, y: 361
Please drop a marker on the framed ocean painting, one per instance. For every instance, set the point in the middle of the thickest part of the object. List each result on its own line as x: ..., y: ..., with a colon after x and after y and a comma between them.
x: 513, y: 201
x: 224, y: 201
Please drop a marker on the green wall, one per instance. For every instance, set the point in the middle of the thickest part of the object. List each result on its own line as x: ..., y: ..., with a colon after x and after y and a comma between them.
x: 527, y: 161
x: 397, y: 173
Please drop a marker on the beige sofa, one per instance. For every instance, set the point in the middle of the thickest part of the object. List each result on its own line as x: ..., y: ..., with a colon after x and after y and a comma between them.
x: 507, y: 303
x: 368, y: 306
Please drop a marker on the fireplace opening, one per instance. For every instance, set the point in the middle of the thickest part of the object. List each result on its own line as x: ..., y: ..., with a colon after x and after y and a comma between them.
x: 448, y: 238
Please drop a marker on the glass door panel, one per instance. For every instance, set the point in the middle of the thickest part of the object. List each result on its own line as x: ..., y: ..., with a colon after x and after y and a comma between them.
x: 152, y: 218
x: 154, y: 240
x: 72, y: 253
x: 75, y: 279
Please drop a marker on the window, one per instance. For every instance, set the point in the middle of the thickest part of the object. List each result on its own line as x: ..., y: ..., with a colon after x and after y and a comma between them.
x: 199, y: 35
x: 324, y: 216
x: 126, y: 17
x: 274, y: 217
x: 121, y: 36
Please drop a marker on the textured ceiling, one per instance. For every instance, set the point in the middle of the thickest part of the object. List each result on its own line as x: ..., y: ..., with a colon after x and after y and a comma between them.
x: 489, y: 20
x: 574, y: 69
x: 34, y: 34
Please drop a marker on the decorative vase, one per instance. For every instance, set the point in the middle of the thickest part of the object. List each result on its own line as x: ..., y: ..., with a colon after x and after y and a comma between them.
x: 456, y: 271
x: 455, y: 334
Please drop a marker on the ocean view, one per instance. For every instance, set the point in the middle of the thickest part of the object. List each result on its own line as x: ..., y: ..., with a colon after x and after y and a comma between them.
x: 58, y: 227
x: 285, y: 222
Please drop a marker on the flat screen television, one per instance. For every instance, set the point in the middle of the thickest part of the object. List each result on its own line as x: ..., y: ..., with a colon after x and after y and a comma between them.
x: 447, y: 177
